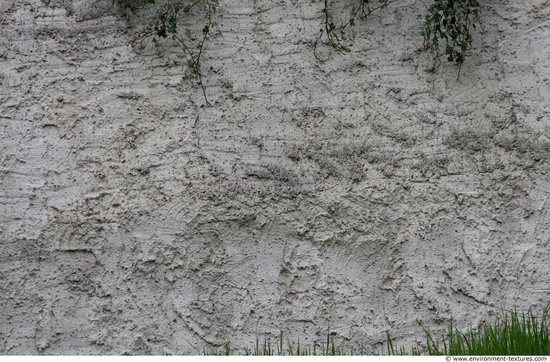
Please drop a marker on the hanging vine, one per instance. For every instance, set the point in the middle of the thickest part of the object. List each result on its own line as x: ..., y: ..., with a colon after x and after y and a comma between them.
x: 448, y: 27
x: 451, y: 21
x: 336, y: 34
x: 165, y: 24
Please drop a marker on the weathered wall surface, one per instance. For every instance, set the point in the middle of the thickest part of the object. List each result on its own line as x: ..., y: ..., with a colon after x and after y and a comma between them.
x: 363, y: 193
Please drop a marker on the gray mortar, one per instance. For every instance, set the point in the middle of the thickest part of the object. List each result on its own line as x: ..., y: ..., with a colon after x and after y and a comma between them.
x: 364, y: 193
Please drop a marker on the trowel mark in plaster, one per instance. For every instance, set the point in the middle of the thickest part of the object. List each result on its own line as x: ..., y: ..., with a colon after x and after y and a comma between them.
x: 354, y: 248
x: 235, y: 273
x: 176, y: 216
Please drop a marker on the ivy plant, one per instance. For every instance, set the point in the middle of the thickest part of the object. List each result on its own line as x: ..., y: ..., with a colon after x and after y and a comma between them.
x: 448, y: 25
x: 450, y: 22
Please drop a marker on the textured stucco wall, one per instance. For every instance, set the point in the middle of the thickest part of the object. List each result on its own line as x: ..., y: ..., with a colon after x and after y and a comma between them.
x: 363, y: 193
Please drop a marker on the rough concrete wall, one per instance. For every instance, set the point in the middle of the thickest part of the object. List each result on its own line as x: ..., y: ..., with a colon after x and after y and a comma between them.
x: 363, y: 193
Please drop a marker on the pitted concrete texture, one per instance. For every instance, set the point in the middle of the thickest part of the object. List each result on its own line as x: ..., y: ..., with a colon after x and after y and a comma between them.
x: 364, y: 193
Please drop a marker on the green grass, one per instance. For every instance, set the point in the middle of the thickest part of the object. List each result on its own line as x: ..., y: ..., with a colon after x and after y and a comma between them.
x: 511, y: 334
x: 318, y: 349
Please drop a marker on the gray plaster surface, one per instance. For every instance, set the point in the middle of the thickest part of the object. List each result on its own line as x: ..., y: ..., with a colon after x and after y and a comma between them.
x: 363, y: 193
